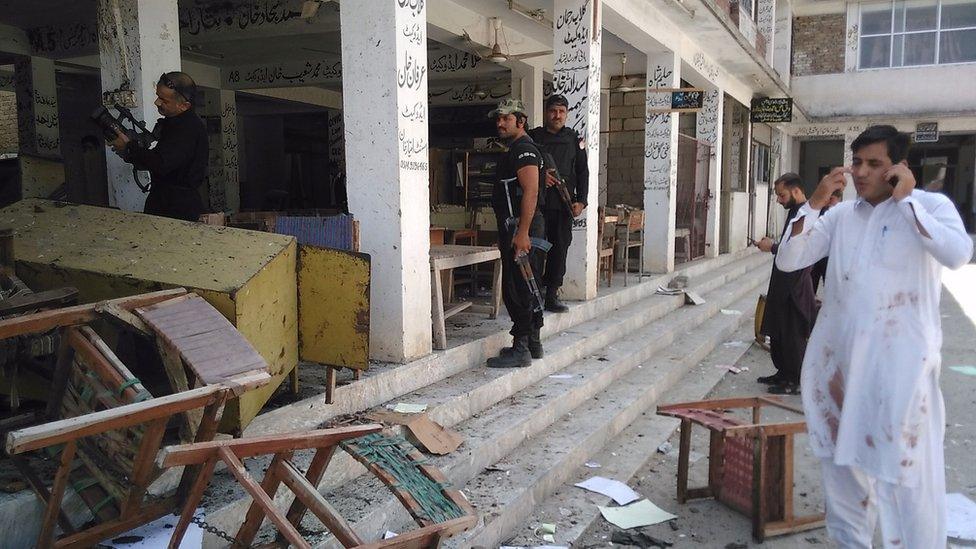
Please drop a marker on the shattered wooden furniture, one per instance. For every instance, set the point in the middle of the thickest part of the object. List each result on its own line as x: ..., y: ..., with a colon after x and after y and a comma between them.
x: 290, y: 301
x: 606, y: 243
x: 440, y: 512
x: 750, y: 465
x: 445, y: 258
x: 111, y: 427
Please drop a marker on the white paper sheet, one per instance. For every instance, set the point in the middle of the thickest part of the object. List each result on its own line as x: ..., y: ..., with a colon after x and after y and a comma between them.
x: 614, y: 489
x: 961, y: 517
x: 642, y: 513
x: 404, y: 408
x: 156, y: 535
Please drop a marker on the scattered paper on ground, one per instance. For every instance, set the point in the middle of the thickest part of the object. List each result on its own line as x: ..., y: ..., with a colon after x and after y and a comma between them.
x: 642, y: 513
x: 731, y: 312
x: 661, y: 290
x: 404, y: 408
x: 737, y: 344
x: 562, y: 376
x: 156, y: 535
x: 733, y: 369
x: 534, y: 547
x: 592, y: 465
x: 614, y: 489
x: 389, y: 535
x: 968, y: 370
x: 960, y: 517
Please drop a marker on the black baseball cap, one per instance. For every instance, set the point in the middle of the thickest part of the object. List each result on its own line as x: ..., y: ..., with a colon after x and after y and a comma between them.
x: 556, y: 99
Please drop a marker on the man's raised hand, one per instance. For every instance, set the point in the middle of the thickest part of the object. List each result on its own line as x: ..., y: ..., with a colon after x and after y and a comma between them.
x: 833, y: 181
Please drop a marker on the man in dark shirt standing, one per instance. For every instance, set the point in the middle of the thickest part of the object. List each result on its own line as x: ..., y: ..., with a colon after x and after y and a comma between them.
x: 790, y: 303
x: 516, y: 194
x: 178, y: 162
x: 569, y: 151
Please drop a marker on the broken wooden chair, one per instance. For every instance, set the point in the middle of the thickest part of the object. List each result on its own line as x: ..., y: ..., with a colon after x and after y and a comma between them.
x: 441, y: 512
x: 750, y: 465
x: 107, y: 426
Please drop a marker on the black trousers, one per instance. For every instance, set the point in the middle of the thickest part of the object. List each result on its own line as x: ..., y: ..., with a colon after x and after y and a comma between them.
x: 788, y: 345
x: 518, y: 299
x: 175, y: 202
x: 559, y: 232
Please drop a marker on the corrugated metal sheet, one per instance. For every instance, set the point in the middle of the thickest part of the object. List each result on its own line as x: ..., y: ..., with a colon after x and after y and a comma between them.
x: 328, y: 232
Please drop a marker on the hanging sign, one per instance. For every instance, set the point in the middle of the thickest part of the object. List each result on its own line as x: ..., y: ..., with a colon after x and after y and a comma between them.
x: 926, y: 132
x: 770, y: 110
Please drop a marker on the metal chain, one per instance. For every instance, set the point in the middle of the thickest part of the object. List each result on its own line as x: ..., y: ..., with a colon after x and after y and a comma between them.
x: 216, y: 531
x: 206, y: 526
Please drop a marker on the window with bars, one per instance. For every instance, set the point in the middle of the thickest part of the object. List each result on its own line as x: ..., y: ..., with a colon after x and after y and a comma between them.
x: 907, y: 33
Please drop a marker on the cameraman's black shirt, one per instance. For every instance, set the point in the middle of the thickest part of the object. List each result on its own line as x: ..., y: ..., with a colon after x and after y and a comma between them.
x: 177, y: 164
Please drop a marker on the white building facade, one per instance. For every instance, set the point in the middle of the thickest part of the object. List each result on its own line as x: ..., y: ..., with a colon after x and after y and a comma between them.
x: 358, y: 105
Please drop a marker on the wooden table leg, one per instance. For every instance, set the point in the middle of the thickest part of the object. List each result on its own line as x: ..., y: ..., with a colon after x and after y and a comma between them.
x: 192, y: 500
x: 684, y: 448
x: 316, y: 469
x: 759, y: 504
x: 437, y: 310
x: 496, y: 289
x: 255, y: 515
x: 46, y: 537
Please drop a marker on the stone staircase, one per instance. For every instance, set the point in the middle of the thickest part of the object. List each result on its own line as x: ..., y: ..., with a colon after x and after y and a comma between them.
x: 625, y: 351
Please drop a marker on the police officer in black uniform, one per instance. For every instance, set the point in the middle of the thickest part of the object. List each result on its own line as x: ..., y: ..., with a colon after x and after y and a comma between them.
x: 568, y: 149
x: 520, y: 170
x: 178, y: 162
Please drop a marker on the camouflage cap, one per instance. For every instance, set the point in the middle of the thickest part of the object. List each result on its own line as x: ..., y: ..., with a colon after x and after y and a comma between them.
x: 508, y: 106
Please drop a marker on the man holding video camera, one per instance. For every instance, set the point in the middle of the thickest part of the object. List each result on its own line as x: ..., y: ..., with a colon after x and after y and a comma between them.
x: 178, y: 162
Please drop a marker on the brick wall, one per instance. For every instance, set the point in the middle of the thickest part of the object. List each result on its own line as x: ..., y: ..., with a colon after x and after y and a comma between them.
x: 625, y: 146
x: 818, y: 44
x: 8, y: 122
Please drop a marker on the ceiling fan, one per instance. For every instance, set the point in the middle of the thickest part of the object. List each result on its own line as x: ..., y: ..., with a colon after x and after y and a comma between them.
x: 495, y: 53
x: 626, y: 83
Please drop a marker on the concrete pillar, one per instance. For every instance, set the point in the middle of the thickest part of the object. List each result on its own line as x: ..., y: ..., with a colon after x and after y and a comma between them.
x: 850, y: 134
x: 527, y: 86
x: 576, y: 74
x: 782, y: 45
x: 224, y: 194
x: 709, y: 130
x: 138, y: 40
x: 660, y: 163
x: 337, y: 158
x: 38, y: 127
x: 384, y: 85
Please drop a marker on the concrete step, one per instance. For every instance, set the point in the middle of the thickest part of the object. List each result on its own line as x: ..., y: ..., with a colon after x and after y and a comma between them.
x: 385, y: 382
x: 574, y: 510
x: 536, y: 469
x: 459, y: 397
x: 500, y: 429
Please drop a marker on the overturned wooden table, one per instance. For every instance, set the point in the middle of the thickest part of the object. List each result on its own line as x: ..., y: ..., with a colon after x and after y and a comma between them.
x: 445, y: 258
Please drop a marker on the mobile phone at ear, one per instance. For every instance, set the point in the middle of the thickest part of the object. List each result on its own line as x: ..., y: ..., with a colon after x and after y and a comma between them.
x: 893, y: 181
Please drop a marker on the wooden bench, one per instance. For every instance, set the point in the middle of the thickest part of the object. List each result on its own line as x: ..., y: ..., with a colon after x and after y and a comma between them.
x: 750, y: 465
x: 305, y: 487
x: 110, y: 425
x: 445, y: 258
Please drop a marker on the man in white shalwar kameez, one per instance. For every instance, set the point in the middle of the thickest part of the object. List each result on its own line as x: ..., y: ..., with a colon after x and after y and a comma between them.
x: 870, y: 378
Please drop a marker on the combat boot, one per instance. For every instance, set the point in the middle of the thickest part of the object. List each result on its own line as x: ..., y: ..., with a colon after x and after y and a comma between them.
x: 518, y: 357
x: 552, y: 301
x: 535, y: 343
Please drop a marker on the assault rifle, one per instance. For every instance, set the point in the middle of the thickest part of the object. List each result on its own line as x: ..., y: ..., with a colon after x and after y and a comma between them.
x: 522, y: 259
x: 564, y: 198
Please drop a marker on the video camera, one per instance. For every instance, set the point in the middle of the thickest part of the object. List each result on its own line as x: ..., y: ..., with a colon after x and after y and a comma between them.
x: 138, y: 135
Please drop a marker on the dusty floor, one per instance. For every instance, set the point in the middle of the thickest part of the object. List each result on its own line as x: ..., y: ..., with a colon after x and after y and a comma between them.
x: 709, y: 524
